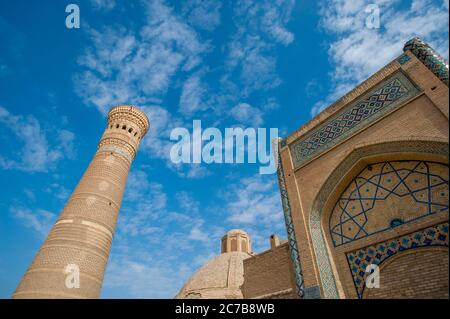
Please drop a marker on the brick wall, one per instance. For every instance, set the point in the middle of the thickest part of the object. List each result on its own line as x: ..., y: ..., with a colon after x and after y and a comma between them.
x: 422, y: 273
x: 269, y: 273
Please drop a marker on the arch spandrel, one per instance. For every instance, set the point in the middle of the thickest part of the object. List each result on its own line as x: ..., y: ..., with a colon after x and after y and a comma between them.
x: 386, y: 195
x: 336, y: 184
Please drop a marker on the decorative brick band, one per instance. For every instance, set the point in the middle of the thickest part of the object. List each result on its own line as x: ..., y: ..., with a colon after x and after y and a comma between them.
x: 131, y: 113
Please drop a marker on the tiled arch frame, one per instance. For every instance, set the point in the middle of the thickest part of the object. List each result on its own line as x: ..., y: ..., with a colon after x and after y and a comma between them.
x: 419, y: 148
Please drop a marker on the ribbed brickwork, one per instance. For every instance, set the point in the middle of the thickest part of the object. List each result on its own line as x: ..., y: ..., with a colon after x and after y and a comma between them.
x: 83, y: 233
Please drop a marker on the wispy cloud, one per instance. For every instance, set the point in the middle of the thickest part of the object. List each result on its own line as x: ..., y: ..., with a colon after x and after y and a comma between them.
x: 103, y: 4
x: 57, y: 190
x: 140, y: 67
x: 204, y: 14
x: 259, y: 24
x: 254, y: 199
x: 39, y: 220
x: 357, y: 51
x: 192, y: 99
x: 39, y: 152
x: 123, y: 66
x: 253, y: 204
x: 246, y: 114
x: 191, y: 171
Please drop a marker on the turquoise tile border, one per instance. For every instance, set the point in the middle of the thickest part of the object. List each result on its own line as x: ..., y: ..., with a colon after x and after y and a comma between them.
x: 385, y: 97
x: 295, y: 257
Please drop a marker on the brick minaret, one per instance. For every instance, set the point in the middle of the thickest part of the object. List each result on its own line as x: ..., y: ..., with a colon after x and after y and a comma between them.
x: 81, y: 237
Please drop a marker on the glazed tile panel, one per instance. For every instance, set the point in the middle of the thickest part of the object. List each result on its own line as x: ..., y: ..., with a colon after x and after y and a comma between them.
x: 386, y: 195
x: 384, y: 98
x: 376, y: 254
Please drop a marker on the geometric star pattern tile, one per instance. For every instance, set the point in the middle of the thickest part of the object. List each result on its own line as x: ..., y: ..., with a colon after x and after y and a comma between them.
x: 376, y: 254
x: 386, y: 195
x: 388, y: 95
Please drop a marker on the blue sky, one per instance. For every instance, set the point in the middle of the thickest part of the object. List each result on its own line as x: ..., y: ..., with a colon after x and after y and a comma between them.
x: 251, y: 63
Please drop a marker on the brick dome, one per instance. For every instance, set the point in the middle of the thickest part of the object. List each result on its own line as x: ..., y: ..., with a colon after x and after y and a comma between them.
x: 220, y: 278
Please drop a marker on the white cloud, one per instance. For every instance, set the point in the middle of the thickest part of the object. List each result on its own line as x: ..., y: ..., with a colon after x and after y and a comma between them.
x: 192, y: 95
x: 158, y: 144
x: 58, y: 190
x: 254, y: 205
x: 191, y: 170
x: 66, y: 141
x: 260, y: 25
x: 257, y: 201
x: 103, y: 4
x: 39, y: 220
x: 187, y: 203
x: 249, y: 56
x: 247, y: 114
x: 196, y: 171
x: 29, y: 194
x: 359, y: 51
x: 204, y: 14
x: 137, y: 67
x: 147, y: 203
x: 36, y: 154
x: 267, y: 17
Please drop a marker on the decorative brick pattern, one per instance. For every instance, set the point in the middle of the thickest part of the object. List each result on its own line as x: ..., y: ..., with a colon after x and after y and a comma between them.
x: 376, y: 254
x: 382, y: 99
x: 84, y: 230
x: 405, y: 190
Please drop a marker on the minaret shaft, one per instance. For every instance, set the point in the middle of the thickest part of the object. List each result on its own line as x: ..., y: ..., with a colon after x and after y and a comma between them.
x: 82, y: 236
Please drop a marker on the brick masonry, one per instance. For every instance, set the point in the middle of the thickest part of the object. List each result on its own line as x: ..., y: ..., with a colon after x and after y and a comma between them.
x: 415, y: 130
x: 269, y: 274
x: 83, y: 233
